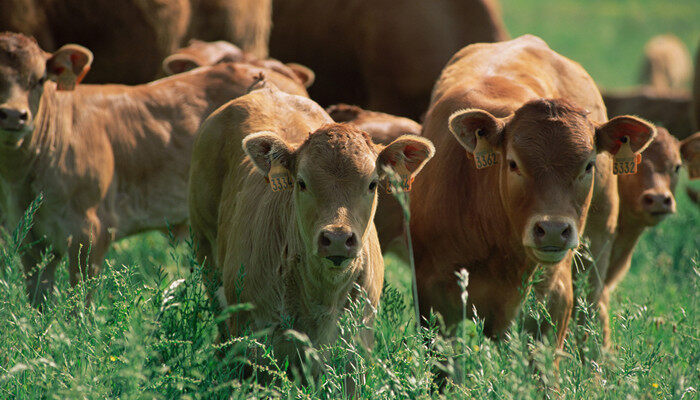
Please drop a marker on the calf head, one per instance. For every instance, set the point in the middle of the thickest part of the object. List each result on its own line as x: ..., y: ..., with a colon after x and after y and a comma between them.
x: 24, y: 69
x: 199, y: 54
x: 648, y: 194
x: 334, y: 176
x: 546, y: 166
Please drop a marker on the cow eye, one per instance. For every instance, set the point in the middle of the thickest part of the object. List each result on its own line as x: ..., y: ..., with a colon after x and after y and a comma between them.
x: 677, y: 168
x: 589, y: 166
x: 512, y: 166
x: 302, y: 185
x: 372, y: 186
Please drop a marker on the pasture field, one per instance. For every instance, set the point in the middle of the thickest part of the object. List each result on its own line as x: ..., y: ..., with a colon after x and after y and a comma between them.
x: 148, y: 332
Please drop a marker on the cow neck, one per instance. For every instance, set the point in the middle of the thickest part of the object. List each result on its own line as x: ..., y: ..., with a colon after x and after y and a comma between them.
x: 629, y: 230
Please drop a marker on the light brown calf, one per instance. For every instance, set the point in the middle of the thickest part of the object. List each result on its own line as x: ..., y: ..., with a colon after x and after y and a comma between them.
x: 646, y: 198
x: 300, y: 244
x: 667, y: 64
x: 111, y: 160
x: 381, y: 55
x: 540, y: 118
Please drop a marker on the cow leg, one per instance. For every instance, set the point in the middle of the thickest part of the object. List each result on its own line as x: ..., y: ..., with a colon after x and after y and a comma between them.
x: 39, y: 279
x: 86, y: 252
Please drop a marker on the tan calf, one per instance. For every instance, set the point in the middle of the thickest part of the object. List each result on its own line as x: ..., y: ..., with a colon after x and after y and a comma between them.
x: 110, y: 160
x: 520, y: 132
x: 300, y: 244
x: 667, y: 64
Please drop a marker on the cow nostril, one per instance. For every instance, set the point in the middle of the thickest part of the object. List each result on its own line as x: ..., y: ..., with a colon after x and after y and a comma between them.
x: 539, y: 231
x: 667, y: 201
x: 351, y: 242
x: 23, y: 115
x: 324, y: 241
x: 566, y: 233
x: 647, y: 200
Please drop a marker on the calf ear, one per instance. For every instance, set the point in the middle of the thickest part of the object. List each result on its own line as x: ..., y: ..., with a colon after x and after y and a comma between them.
x: 468, y: 125
x: 609, y: 136
x: 178, y: 63
x: 265, y: 147
x: 406, y: 156
x: 305, y: 74
x: 690, y: 152
x: 68, y: 66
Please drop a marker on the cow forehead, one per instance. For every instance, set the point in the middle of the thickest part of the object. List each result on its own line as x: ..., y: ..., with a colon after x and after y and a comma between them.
x: 338, y: 151
x: 20, y: 55
x: 664, y: 149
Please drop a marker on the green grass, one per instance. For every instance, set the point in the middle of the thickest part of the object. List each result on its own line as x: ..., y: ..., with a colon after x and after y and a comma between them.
x: 149, y: 332
x: 606, y: 36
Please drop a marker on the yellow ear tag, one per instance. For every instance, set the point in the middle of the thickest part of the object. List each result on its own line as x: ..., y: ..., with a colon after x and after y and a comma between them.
x: 279, y: 177
x: 484, y: 155
x: 404, y: 175
x: 625, y: 161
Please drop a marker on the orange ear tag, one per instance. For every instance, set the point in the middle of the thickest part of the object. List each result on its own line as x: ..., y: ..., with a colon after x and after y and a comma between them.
x: 484, y: 154
x: 625, y: 161
x: 279, y: 177
x: 406, y: 178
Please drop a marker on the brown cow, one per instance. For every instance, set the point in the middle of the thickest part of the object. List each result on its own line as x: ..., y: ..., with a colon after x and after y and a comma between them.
x: 646, y: 198
x: 111, y: 160
x: 670, y: 109
x: 301, y: 243
x: 696, y: 90
x: 667, y: 64
x: 544, y: 115
x: 690, y: 151
x: 382, y: 55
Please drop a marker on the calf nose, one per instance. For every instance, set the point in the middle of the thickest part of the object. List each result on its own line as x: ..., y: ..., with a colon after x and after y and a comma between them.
x: 13, y: 119
x: 554, y: 234
x: 337, y: 245
x: 658, y: 203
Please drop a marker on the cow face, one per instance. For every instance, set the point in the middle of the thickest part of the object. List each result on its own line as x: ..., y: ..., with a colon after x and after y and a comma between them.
x: 334, y: 178
x: 546, y: 166
x: 648, y: 194
x: 24, y: 69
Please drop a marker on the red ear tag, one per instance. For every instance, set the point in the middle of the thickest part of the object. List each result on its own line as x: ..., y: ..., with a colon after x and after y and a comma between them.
x: 279, y: 177
x: 405, y: 176
x: 625, y: 160
x: 484, y: 154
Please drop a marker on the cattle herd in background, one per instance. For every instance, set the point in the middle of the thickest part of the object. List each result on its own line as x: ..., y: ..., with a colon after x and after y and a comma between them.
x: 515, y: 161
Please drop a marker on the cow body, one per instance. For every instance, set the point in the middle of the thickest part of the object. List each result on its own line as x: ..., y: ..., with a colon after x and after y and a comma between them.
x: 110, y: 160
x: 667, y: 64
x: 384, y: 57
x: 262, y: 245
x: 483, y: 220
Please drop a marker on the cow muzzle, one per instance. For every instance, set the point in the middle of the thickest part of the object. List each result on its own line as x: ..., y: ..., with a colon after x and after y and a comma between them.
x: 549, y: 239
x: 338, y: 245
x: 657, y: 205
x: 14, y: 126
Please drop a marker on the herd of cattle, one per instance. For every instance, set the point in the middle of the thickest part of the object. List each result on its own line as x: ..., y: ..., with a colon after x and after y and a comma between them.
x: 515, y: 161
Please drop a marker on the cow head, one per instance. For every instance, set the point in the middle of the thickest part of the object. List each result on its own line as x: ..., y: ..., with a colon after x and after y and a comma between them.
x: 690, y: 151
x: 24, y: 68
x: 199, y: 54
x: 546, y: 165
x: 334, y: 177
x: 648, y: 194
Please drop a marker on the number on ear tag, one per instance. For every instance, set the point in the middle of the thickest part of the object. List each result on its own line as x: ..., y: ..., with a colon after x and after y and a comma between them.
x: 484, y: 154
x: 625, y: 161
x: 405, y: 176
x: 279, y: 177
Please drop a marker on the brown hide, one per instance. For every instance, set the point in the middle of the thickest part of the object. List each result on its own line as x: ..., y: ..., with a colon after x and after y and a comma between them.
x: 378, y: 54
x: 462, y: 217
x: 646, y: 198
x: 667, y: 64
x: 239, y: 222
x: 696, y: 91
x: 110, y: 160
x: 671, y: 109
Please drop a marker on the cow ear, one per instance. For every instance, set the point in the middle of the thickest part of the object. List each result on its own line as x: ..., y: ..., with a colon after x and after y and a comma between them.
x: 68, y: 66
x: 690, y: 152
x: 305, y: 74
x: 343, y: 112
x: 468, y: 125
x: 405, y: 156
x: 178, y: 63
x: 266, y: 147
x: 609, y: 136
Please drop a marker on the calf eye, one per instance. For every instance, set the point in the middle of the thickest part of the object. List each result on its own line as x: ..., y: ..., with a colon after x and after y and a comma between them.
x: 302, y: 185
x: 589, y: 166
x: 372, y: 185
x: 677, y: 168
x: 513, y: 166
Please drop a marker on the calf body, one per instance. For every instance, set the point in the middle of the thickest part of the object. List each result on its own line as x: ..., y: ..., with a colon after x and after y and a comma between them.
x: 111, y: 160
x: 544, y: 119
